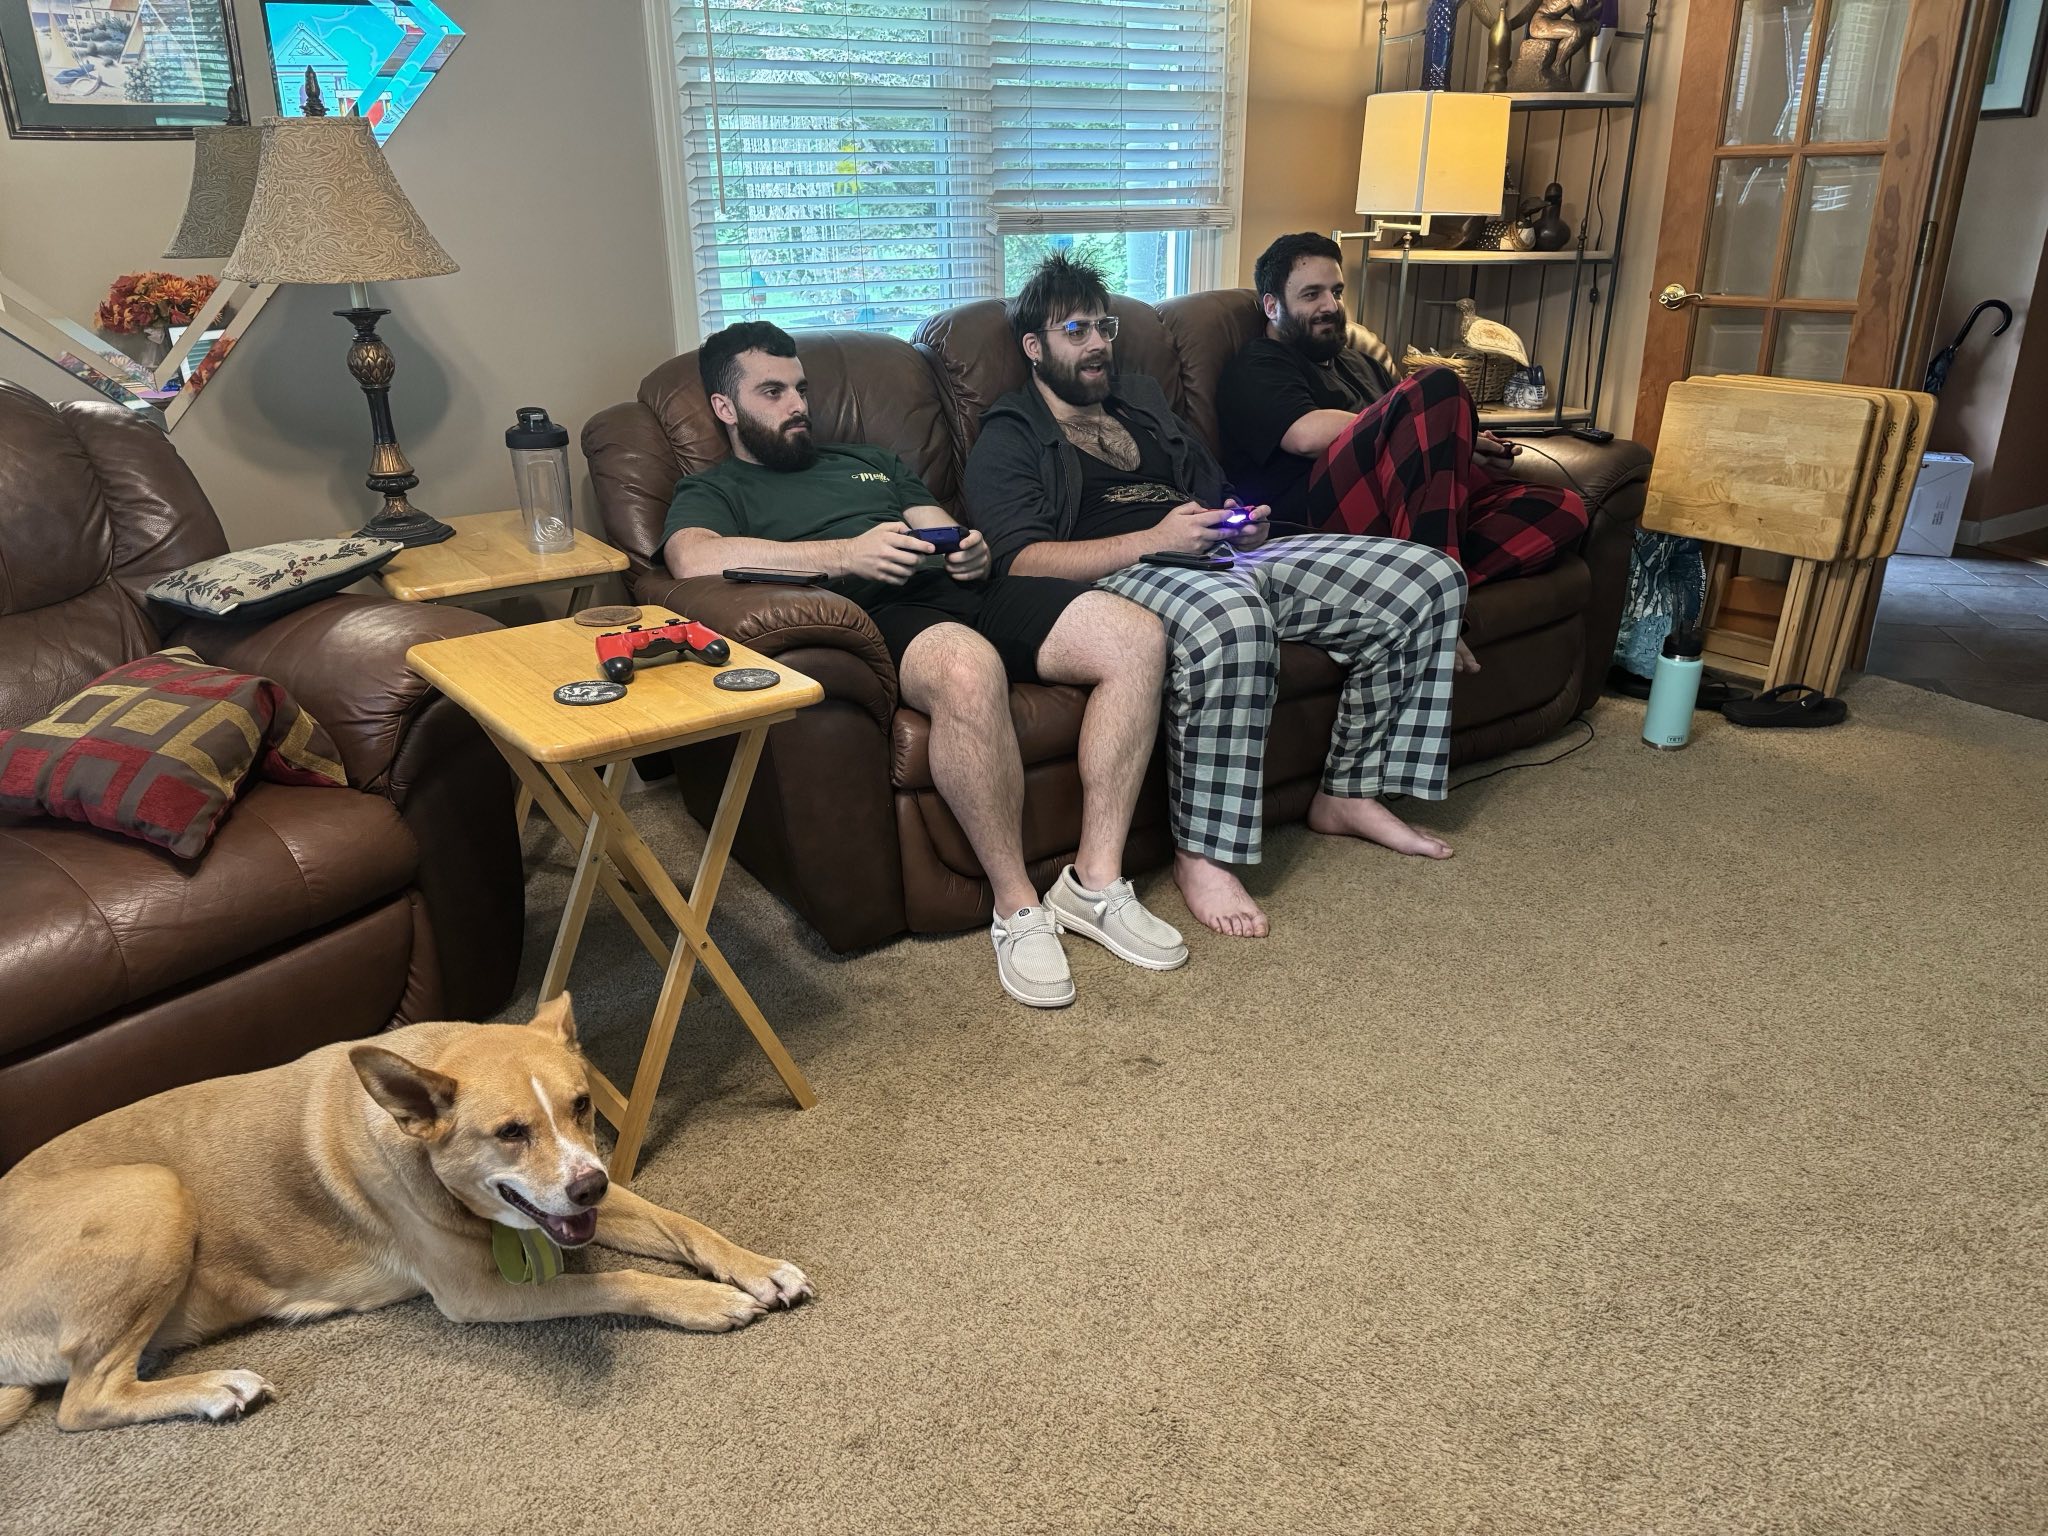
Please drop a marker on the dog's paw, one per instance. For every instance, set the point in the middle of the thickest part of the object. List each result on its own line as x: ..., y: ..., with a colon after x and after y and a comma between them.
x: 229, y: 1395
x: 773, y: 1282
x: 734, y: 1309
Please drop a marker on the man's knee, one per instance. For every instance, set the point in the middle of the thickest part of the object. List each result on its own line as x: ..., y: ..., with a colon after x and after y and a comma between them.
x: 1102, y: 635
x: 1438, y: 581
x: 955, y: 670
x: 1234, y: 625
x: 1435, y: 384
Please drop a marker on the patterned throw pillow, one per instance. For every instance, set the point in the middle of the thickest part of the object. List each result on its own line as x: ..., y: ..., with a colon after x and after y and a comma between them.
x: 252, y: 585
x: 158, y: 748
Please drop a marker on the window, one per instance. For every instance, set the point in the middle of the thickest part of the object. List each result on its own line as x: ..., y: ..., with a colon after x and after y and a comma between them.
x: 867, y: 163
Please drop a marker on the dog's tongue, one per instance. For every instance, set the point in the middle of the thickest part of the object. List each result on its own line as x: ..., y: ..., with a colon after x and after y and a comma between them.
x: 571, y: 1231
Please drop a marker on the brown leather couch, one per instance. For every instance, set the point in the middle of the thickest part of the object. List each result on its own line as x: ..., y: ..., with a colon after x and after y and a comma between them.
x: 315, y: 914
x: 844, y: 823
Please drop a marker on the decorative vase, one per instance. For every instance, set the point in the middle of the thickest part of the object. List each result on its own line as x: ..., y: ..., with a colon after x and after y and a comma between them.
x: 1436, y: 44
x: 1596, y: 60
x: 152, y: 346
x: 1550, y: 230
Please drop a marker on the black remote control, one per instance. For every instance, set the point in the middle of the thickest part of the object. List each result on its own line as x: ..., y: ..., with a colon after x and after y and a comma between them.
x: 1592, y: 434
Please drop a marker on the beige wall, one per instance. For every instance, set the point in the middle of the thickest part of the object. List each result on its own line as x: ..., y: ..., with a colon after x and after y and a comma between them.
x: 532, y: 159
x: 1308, y: 75
x: 1992, y: 407
x: 1311, y: 69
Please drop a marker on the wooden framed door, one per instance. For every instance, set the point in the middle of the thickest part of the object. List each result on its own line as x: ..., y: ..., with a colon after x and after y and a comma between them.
x: 1805, y: 145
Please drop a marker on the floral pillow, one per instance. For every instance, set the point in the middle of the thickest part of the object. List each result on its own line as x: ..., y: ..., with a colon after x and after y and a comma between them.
x: 252, y: 585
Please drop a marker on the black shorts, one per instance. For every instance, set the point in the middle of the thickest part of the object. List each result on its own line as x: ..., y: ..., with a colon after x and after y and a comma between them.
x: 1013, y: 613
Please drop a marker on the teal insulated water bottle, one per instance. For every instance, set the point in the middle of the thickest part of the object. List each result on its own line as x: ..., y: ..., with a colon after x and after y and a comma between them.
x: 1667, y: 723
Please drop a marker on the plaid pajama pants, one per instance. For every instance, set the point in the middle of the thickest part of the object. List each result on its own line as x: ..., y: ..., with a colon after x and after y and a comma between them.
x: 1386, y: 610
x: 1403, y: 469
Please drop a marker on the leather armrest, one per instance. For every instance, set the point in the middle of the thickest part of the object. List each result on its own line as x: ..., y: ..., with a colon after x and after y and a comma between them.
x: 1609, y: 475
x: 343, y: 658
x: 773, y: 620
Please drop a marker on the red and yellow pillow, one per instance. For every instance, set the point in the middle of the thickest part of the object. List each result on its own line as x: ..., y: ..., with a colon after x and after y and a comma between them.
x: 158, y: 748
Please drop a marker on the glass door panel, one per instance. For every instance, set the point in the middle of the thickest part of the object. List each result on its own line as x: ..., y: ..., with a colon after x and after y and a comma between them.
x: 1859, y: 71
x: 1728, y: 341
x: 1769, y: 71
x: 1742, y: 240
x: 1831, y: 232
x: 1811, y: 346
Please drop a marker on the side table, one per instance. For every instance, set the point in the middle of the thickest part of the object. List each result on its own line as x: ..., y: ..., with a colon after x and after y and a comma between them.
x: 568, y: 756
x: 488, y: 558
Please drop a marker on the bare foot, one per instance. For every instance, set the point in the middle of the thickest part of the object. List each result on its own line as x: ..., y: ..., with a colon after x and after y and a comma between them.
x: 1217, y: 897
x: 1465, y: 660
x: 1375, y: 823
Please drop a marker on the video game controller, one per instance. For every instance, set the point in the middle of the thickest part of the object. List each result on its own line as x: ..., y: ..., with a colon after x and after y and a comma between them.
x: 621, y: 649
x: 945, y: 540
x: 1237, y: 517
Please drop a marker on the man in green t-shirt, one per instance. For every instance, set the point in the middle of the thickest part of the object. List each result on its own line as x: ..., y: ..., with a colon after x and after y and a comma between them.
x: 958, y: 640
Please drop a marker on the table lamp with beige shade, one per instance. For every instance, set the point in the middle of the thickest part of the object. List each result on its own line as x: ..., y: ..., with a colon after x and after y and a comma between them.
x: 327, y: 209
x: 1427, y: 155
x: 1431, y: 154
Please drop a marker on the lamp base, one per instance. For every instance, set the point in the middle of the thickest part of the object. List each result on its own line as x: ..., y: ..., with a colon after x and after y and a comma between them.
x: 405, y: 524
x: 372, y: 364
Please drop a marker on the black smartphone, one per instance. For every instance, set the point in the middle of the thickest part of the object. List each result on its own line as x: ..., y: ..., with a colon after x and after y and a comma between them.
x: 775, y: 578
x: 1185, y: 562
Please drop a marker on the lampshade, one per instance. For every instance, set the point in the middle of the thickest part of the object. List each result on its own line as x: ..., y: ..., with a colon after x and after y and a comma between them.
x: 1433, y: 152
x: 328, y: 210
x: 223, y: 180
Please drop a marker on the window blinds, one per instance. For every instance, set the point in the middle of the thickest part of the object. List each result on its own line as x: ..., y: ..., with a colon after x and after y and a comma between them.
x: 852, y: 162
x: 1109, y: 114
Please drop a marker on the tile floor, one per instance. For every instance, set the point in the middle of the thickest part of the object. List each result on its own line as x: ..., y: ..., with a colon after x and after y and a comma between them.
x: 1974, y: 626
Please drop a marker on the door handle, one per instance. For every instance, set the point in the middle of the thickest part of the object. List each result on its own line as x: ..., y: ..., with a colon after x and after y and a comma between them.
x: 1677, y: 296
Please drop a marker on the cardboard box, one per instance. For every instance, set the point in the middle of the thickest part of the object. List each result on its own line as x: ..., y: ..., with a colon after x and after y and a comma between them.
x: 1936, y: 509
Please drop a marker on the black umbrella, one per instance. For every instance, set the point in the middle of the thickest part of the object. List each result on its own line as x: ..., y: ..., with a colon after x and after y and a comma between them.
x: 1945, y: 359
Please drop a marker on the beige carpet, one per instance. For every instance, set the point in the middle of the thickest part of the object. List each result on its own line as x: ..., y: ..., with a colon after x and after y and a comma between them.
x: 1671, y: 1161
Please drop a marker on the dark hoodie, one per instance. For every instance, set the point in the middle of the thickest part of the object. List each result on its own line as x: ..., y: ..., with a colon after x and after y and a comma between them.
x: 1024, y: 477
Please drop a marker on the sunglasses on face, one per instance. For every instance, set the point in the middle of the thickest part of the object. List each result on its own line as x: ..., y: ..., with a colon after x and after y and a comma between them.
x: 1077, y: 331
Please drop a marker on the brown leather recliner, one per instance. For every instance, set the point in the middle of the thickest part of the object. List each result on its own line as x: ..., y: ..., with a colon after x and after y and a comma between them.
x: 315, y: 914
x: 844, y: 823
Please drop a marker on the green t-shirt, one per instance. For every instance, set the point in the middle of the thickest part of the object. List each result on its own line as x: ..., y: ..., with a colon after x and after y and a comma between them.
x: 852, y: 488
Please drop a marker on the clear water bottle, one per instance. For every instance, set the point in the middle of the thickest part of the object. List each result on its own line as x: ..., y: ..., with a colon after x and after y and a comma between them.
x: 540, y: 469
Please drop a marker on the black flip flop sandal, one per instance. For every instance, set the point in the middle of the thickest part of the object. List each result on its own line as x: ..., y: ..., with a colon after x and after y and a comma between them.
x: 1794, y: 704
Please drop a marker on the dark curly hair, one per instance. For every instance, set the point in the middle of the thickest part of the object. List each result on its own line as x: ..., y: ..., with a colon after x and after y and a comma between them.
x: 718, y: 360
x: 1060, y: 286
x: 1276, y: 261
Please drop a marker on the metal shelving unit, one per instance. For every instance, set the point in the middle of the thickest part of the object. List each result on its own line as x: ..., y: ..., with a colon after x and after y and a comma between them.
x: 1407, y: 293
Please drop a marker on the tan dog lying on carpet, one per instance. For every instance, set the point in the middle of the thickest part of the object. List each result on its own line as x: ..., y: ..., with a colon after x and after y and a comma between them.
x: 293, y: 1193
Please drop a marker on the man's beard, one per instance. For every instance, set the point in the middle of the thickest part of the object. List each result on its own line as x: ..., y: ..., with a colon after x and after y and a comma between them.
x: 1318, y: 347
x: 1064, y: 379
x: 779, y: 448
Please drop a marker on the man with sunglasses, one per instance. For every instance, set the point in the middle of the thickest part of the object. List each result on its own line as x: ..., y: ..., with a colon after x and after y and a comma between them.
x: 1085, y: 473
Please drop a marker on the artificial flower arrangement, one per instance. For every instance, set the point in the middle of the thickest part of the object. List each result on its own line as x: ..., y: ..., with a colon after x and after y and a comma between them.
x: 142, y: 300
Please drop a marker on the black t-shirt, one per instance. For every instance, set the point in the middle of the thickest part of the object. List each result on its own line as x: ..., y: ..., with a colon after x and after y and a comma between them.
x: 1119, y: 501
x: 1265, y: 390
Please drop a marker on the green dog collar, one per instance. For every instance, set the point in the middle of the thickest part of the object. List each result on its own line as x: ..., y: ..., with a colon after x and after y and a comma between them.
x: 525, y: 1256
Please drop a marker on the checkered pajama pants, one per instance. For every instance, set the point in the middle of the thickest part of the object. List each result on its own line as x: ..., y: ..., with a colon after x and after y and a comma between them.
x: 1403, y: 469
x: 1386, y: 610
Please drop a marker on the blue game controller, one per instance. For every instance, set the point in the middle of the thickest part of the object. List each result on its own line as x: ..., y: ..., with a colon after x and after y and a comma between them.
x: 945, y: 540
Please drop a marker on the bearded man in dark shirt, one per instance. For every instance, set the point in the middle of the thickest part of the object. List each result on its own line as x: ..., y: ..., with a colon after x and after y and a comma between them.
x: 1322, y: 432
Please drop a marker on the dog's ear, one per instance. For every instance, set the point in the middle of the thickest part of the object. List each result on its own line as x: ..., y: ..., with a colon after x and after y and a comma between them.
x: 556, y: 1019
x: 418, y: 1098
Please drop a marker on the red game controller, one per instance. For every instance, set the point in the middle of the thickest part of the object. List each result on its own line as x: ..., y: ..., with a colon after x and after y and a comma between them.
x: 618, y: 651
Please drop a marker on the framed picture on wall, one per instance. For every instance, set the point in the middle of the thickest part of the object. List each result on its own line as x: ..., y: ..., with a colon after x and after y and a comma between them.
x: 2013, y: 89
x: 119, y: 69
